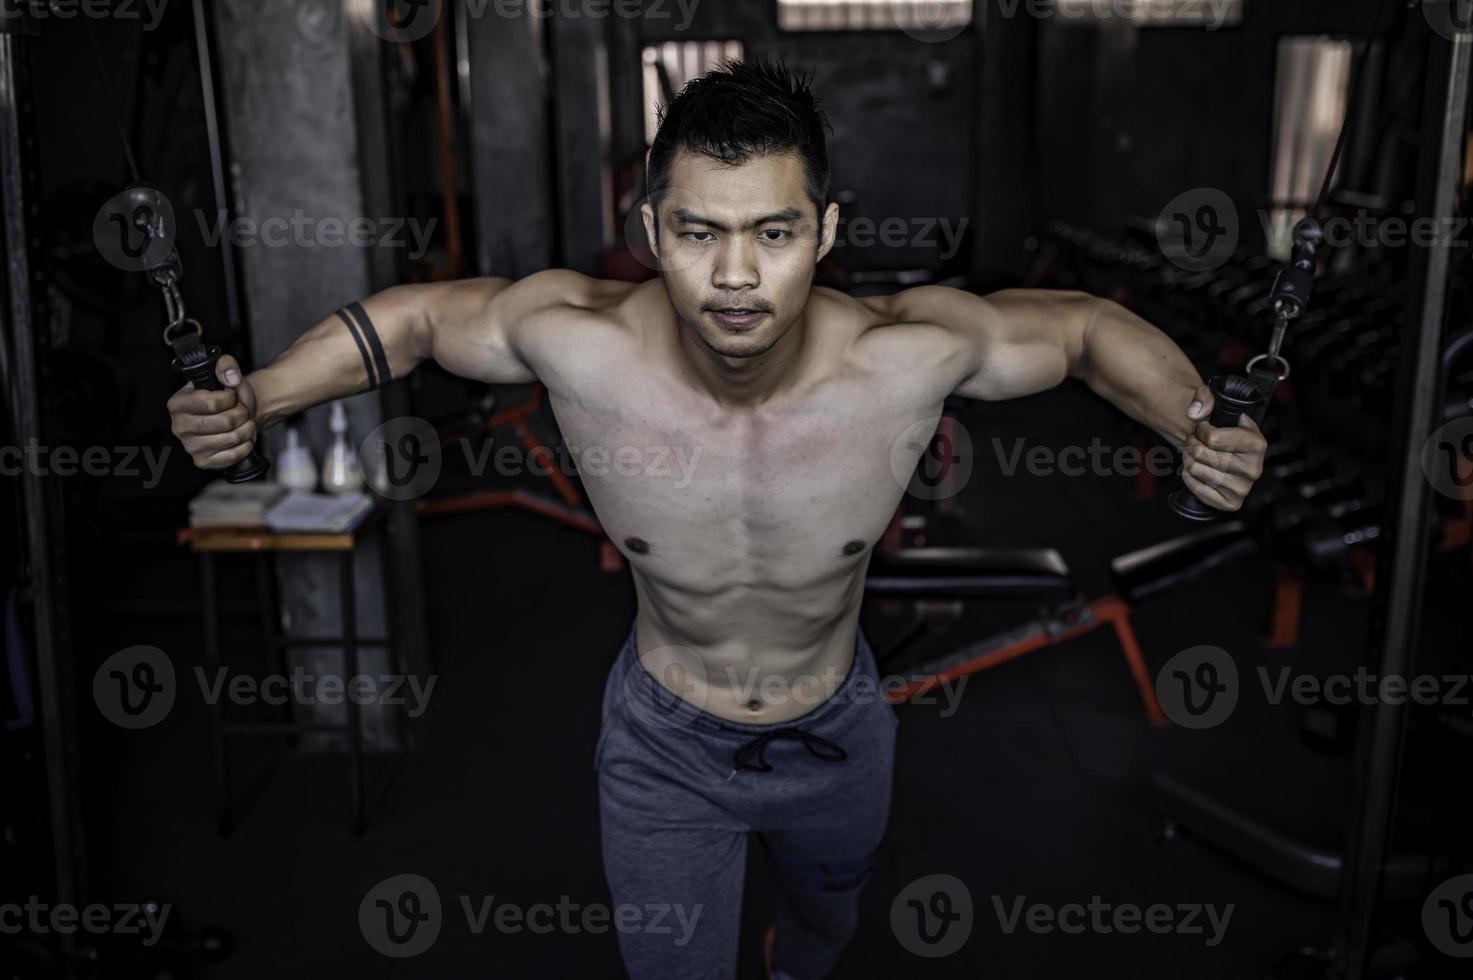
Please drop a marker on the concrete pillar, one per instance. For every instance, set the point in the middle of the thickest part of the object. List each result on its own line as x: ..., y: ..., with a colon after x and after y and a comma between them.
x: 516, y: 228
x: 292, y: 118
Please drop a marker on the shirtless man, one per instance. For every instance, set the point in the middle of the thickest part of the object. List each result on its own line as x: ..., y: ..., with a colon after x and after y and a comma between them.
x: 791, y: 401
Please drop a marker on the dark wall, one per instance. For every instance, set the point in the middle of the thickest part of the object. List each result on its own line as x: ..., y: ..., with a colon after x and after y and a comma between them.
x: 1195, y: 108
x: 1014, y: 122
x: 900, y: 110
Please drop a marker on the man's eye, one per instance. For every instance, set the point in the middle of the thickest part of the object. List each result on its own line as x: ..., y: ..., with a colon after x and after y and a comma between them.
x: 700, y: 237
x: 776, y: 235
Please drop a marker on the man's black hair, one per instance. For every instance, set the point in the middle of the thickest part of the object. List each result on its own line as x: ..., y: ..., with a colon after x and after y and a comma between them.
x: 741, y: 110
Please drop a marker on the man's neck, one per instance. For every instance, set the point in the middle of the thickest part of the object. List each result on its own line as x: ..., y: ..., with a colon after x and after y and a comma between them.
x: 744, y: 381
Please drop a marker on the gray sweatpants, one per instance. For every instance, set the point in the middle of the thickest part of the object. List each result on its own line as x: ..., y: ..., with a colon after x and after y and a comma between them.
x: 681, y: 791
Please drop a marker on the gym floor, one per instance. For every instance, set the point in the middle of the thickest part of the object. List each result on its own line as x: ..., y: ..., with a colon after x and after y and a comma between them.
x: 1035, y: 788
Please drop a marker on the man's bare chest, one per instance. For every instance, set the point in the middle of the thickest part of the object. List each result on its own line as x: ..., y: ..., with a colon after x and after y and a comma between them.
x: 761, y: 493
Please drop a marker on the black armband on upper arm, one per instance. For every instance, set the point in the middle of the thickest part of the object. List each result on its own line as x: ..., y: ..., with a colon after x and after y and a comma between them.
x: 375, y: 361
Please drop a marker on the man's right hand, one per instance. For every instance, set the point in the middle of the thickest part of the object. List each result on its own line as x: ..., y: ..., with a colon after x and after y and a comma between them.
x: 217, y: 428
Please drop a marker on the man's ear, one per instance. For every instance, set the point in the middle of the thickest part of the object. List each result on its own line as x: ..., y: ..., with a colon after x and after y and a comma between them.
x: 830, y: 230
x: 651, y: 228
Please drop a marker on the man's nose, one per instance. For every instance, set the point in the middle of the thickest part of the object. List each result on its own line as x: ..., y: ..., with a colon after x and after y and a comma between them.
x: 736, y: 266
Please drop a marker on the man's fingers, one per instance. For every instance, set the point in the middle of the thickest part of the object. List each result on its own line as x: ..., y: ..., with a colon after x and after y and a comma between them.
x: 1231, y: 440
x: 221, y: 460
x: 1201, y: 405
x: 221, y: 442
x: 189, y: 424
x: 1246, y: 465
x: 195, y: 401
x: 1209, y: 493
x: 1227, y: 485
x: 228, y: 371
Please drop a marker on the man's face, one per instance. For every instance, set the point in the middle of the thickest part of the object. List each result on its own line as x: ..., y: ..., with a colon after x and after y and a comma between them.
x: 738, y: 247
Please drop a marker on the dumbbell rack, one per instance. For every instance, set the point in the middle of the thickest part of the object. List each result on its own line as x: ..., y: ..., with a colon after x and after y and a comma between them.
x: 1325, y: 491
x: 1319, y: 506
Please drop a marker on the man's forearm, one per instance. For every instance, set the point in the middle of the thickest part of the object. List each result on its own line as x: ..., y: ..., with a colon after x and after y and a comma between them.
x: 358, y: 348
x: 1138, y: 369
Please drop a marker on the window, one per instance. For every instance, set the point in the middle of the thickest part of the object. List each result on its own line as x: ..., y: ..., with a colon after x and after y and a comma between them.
x: 1310, y: 92
x: 678, y: 62
x: 1211, y: 14
x: 878, y: 15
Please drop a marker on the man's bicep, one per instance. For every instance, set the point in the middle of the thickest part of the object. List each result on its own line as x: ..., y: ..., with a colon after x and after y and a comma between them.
x: 1019, y: 342
x: 494, y: 329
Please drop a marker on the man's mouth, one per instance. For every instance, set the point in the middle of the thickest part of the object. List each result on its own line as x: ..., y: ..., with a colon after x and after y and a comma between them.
x: 737, y: 317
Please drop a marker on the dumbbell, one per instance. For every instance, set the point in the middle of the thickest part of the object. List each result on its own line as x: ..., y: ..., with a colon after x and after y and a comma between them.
x: 1346, y: 485
x: 1459, y: 402
x: 1354, y: 346
x: 1314, y: 464
x: 1363, y: 373
x: 1329, y: 339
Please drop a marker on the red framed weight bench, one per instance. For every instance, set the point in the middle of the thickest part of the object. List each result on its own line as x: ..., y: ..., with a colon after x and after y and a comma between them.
x: 939, y: 580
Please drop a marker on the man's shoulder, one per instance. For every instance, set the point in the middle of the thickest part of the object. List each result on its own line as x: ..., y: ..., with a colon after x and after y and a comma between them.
x: 564, y: 321
x: 875, y: 330
x: 569, y: 304
x: 566, y: 288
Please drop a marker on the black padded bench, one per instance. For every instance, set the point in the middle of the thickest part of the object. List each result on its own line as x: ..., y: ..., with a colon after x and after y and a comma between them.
x: 970, y: 573
x: 947, y: 578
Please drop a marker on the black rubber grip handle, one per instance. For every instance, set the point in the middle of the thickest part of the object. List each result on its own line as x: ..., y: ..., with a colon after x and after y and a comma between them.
x: 1232, y: 395
x: 202, y: 375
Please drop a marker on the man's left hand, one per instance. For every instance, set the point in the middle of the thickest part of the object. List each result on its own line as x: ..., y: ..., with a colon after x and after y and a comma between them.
x: 1221, y: 465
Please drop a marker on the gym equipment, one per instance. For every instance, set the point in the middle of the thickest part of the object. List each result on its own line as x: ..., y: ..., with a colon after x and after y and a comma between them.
x: 192, y: 358
x: 1326, y: 499
x: 143, y: 210
x: 938, y: 581
x: 568, y: 508
x: 1233, y: 397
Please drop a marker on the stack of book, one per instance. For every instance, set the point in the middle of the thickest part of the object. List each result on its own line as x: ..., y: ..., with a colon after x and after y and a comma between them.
x: 224, y: 504
x: 323, y: 513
